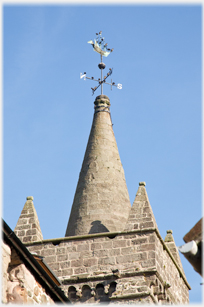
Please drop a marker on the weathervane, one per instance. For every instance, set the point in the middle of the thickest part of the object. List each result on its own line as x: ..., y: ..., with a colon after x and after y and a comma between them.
x: 100, y: 47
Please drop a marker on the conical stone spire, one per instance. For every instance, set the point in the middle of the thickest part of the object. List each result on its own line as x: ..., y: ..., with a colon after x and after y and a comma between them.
x: 28, y: 226
x: 101, y: 202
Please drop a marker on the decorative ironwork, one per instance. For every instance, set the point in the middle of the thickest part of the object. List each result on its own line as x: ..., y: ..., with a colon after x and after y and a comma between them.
x: 100, y: 47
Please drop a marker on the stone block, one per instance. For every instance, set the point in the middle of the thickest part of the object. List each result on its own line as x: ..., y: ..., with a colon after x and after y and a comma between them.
x: 82, y: 247
x: 127, y: 250
x: 90, y: 262
x: 71, y: 248
x: 74, y: 255
x: 95, y: 246
x: 148, y: 263
x: 148, y: 247
x: 107, y: 260
x: 62, y: 257
x: 29, y: 215
x: 60, y: 251
x: 31, y: 220
x: 146, y: 225
x: 27, y: 239
x: 48, y: 252
x: 120, y: 243
x: 64, y: 265
x: 151, y: 254
x: 50, y: 259
x: 80, y: 270
x: 22, y: 227
x: 131, y: 258
x: 152, y: 238
x: 101, y: 239
x: 76, y: 263
x: 30, y: 232
x: 22, y: 222
x: 146, y: 210
x: 24, y: 211
x: 101, y: 253
x: 114, y: 252
x: 86, y: 254
x: 67, y: 272
x: 139, y: 241
x: 21, y: 233
x: 107, y: 245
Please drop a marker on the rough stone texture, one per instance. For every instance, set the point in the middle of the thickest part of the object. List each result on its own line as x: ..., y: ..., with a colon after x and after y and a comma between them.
x: 28, y: 227
x: 141, y: 215
x: 126, y: 267
x: 6, y: 258
x: 19, y: 285
x: 112, y: 253
x: 101, y: 202
x: 170, y: 243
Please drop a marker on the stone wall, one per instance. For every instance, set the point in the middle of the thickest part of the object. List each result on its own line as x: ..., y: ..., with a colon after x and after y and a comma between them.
x: 115, y: 267
x: 169, y: 273
x: 19, y: 285
x: 6, y: 258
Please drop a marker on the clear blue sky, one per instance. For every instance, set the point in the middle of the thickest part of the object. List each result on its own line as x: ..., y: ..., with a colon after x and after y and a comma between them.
x: 48, y: 109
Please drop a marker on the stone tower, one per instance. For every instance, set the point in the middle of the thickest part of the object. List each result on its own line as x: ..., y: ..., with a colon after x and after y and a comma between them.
x: 112, y: 252
x: 101, y: 202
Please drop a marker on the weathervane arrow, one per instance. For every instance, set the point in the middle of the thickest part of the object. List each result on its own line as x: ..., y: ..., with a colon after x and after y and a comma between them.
x: 100, y: 47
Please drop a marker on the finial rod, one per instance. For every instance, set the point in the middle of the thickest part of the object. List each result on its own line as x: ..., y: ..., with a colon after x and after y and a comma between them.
x: 100, y: 47
x: 101, y: 76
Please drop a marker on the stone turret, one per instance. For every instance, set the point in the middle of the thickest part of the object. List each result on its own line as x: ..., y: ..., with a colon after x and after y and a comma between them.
x: 170, y: 243
x: 101, y: 202
x: 141, y: 215
x: 28, y: 226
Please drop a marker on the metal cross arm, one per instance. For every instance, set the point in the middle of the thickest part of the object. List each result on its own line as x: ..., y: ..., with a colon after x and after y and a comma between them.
x: 119, y: 86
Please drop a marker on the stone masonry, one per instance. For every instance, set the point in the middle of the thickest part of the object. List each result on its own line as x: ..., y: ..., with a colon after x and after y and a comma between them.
x: 129, y: 266
x: 134, y: 265
x: 111, y: 252
x: 19, y: 285
x: 28, y: 226
x: 101, y: 202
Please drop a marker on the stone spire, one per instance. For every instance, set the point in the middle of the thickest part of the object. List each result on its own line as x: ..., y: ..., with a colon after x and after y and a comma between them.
x: 170, y: 243
x: 101, y: 202
x: 141, y: 215
x: 28, y: 227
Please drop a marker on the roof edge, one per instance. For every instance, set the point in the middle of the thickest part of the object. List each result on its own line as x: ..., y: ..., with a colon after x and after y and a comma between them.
x: 33, y: 264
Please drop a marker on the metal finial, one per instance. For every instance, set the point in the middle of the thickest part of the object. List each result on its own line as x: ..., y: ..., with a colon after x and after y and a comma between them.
x: 100, y: 47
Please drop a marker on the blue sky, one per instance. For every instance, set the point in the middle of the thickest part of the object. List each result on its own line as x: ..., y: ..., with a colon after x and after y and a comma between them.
x: 157, y: 116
